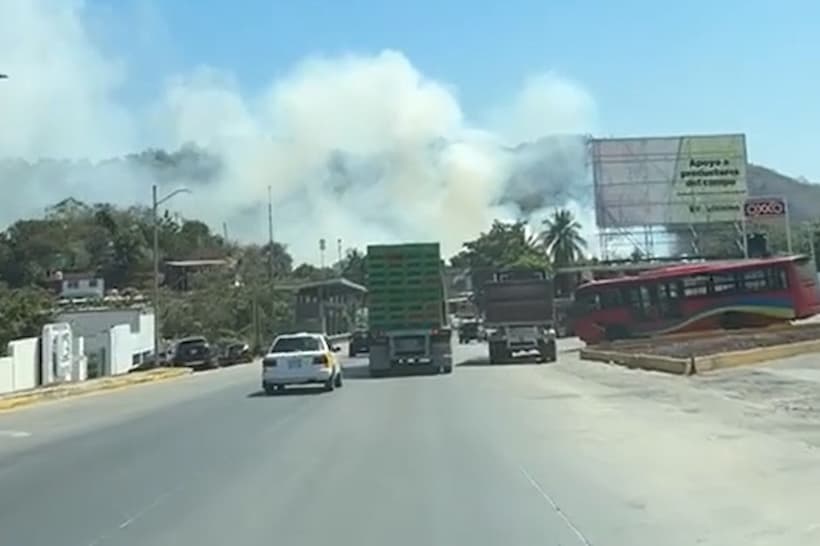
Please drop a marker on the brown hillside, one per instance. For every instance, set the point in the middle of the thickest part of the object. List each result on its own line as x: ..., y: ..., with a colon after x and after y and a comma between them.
x: 803, y: 197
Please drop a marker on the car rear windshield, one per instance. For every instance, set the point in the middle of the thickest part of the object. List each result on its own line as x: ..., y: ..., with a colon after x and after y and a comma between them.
x: 192, y: 342
x: 296, y: 344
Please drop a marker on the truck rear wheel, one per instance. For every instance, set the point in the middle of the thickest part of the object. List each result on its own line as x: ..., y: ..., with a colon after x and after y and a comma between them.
x: 550, y: 351
x: 498, y: 352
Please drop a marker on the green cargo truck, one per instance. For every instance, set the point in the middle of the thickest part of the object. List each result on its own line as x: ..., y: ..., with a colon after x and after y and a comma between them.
x: 407, y: 309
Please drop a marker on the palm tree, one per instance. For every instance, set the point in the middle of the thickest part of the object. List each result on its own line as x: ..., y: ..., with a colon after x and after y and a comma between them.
x: 562, y: 239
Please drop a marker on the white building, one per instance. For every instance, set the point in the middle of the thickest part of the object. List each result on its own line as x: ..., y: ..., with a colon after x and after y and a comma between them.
x: 115, y: 339
x: 80, y: 285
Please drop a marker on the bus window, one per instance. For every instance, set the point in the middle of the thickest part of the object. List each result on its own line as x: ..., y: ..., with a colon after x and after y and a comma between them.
x: 724, y: 283
x: 755, y: 280
x: 586, y: 301
x: 610, y: 299
x: 777, y: 278
x: 637, y: 299
x: 697, y: 285
x: 631, y: 297
x: 669, y: 299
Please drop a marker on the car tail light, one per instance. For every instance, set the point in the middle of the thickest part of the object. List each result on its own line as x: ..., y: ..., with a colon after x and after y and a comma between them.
x: 269, y: 363
x: 323, y: 360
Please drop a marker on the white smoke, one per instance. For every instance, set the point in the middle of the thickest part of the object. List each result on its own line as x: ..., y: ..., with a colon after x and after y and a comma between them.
x: 359, y: 147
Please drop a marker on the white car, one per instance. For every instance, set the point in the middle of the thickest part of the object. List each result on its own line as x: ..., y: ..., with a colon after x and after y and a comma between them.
x: 300, y: 359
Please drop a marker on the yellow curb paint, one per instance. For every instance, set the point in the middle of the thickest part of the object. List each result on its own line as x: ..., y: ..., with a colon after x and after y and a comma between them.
x: 14, y: 401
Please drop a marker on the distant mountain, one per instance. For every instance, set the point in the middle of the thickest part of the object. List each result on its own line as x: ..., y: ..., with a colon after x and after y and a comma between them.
x: 803, y: 197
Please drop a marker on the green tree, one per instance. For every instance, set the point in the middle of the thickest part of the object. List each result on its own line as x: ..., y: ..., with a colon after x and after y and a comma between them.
x: 504, y: 245
x: 562, y: 238
x: 353, y: 266
x: 309, y: 272
x: 33, y: 248
x: 23, y: 313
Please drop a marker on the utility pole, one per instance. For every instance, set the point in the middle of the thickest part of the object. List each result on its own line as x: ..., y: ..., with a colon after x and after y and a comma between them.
x: 225, y: 231
x: 322, y: 253
x: 339, y: 249
x: 270, y: 233
x: 155, y: 209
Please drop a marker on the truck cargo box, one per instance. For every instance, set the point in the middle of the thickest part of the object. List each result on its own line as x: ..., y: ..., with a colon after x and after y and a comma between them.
x: 518, y: 301
x: 405, y: 287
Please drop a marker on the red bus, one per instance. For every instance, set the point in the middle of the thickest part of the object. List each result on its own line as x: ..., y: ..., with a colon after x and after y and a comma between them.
x: 693, y: 297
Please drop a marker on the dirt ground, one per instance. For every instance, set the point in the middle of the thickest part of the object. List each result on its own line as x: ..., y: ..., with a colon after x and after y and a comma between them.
x: 721, y: 343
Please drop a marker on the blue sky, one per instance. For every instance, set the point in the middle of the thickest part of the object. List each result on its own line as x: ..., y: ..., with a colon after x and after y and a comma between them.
x: 652, y: 67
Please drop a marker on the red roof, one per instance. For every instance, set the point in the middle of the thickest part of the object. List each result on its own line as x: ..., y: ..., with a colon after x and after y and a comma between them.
x: 694, y: 269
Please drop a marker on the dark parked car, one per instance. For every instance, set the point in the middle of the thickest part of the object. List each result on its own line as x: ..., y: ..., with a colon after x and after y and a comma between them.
x: 358, y: 343
x: 234, y: 351
x: 194, y: 352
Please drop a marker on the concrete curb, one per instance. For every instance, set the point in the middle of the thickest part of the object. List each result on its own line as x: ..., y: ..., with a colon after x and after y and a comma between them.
x: 707, y: 363
x: 53, y: 392
x: 753, y: 356
x: 657, y: 363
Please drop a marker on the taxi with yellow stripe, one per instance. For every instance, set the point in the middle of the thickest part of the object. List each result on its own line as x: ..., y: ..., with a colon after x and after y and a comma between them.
x: 301, y: 359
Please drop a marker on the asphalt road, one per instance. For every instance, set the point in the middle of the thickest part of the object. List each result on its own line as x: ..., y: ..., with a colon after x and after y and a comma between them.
x: 565, y: 454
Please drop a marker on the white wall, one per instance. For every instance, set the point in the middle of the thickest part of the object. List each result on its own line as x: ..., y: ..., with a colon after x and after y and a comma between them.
x: 122, y: 349
x: 18, y: 371
x: 109, y: 347
x: 145, y: 336
x: 25, y: 353
x: 6, y: 374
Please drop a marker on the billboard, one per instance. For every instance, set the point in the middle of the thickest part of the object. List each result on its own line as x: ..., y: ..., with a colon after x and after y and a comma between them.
x: 669, y: 180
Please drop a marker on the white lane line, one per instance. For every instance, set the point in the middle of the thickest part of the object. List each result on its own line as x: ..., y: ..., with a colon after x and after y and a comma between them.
x: 159, y: 499
x: 584, y: 540
x: 148, y: 507
x: 14, y: 433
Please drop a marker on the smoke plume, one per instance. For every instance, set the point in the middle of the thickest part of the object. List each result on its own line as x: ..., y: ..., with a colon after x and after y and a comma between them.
x: 360, y: 147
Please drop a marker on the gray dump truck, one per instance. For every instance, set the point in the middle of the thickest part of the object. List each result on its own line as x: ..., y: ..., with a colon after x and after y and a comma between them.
x: 518, y: 313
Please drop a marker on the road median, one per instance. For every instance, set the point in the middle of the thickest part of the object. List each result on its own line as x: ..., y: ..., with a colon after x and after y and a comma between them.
x: 65, y: 390
x: 714, y: 351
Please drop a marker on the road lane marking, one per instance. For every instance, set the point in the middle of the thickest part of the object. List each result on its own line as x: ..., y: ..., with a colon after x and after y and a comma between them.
x: 159, y: 499
x: 14, y: 433
x: 546, y: 496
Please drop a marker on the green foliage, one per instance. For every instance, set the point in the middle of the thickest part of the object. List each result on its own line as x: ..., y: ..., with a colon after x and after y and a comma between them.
x: 116, y: 243
x: 562, y: 238
x: 308, y: 272
x: 100, y: 238
x: 353, y: 266
x: 506, y: 244
x: 23, y: 313
x: 219, y: 306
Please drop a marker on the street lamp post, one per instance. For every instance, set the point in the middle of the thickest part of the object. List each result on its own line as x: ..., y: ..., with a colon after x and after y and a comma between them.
x: 156, y: 204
